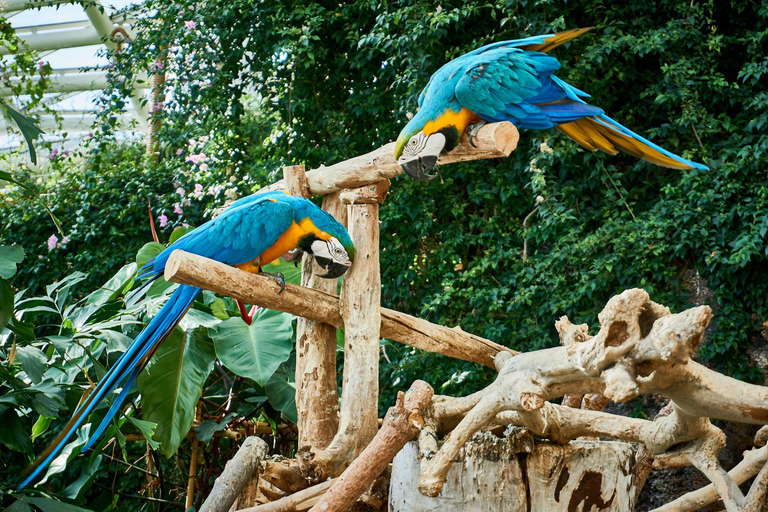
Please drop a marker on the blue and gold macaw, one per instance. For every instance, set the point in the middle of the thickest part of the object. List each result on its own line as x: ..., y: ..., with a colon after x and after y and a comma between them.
x: 513, y: 81
x: 251, y: 233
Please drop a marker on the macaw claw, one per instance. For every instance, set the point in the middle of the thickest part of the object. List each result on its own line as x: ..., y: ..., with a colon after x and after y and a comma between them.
x: 472, y: 130
x: 277, y: 277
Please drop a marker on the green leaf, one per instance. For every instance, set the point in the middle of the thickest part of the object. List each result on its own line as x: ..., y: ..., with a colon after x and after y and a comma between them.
x: 290, y: 271
x: 147, y: 252
x: 116, y: 286
x: 219, y: 309
x: 14, y: 434
x: 281, y: 392
x: 207, y: 428
x: 10, y: 256
x: 76, y: 489
x: 172, y: 383
x: 147, y: 428
x: 179, y: 232
x: 40, y: 426
x: 19, y: 506
x: 6, y: 176
x: 6, y: 303
x: 28, y: 127
x: 254, y: 351
x: 69, y: 452
x: 50, y: 505
x: 33, y: 361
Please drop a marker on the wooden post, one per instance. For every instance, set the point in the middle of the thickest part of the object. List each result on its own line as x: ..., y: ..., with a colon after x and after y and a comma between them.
x: 317, y: 399
x: 360, y: 310
x: 402, y: 423
x: 236, y: 474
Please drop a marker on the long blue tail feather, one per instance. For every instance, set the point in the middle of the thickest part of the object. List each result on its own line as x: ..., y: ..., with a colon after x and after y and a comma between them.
x: 127, y: 368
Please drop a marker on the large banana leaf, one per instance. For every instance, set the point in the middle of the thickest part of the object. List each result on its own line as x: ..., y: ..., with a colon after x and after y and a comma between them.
x: 171, y: 385
x: 254, y: 351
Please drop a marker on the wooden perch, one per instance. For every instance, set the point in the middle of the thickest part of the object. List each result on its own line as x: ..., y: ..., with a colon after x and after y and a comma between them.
x: 641, y: 348
x: 401, y: 424
x: 236, y: 474
x: 495, y: 140
x: 186, y: 268
x: 361, y: 312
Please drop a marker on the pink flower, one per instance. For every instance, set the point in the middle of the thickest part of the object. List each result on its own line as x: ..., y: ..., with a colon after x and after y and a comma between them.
x: 179, y: 151
x: 190, y: 25
x: 203, y: 167
x: 163, y: 220
x: 157, y: 106
x: 198, y: 191
x: 177, y: 209
x: 196, y: 159
x: 181, y: 192
x: 52, y: 241
x: 65, y: 240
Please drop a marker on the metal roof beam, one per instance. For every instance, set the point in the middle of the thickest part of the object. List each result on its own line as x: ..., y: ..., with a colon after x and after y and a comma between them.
x: 70, y: 35
x: 73, y: 80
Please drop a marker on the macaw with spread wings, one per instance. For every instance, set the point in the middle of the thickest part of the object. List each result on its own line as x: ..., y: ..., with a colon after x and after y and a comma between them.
x: 513, y: 81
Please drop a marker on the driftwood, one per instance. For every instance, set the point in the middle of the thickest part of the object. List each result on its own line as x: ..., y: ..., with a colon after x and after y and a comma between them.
x: 297, y: 502
x: 401, y: 424
x: 495, y: 140
x: 360, y: 310
x: 640, y: 348
x: 236, y: 474
x: 186, y: 268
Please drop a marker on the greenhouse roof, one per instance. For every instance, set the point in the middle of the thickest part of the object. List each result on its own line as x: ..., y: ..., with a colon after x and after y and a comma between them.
x: 69, y: 37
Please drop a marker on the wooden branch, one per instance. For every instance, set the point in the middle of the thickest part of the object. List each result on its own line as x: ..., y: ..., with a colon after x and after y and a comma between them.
x: 236, y: 474
x: 360, y: 310
x: 641, y: 348
x: 297, y: 502
x: 186, y: 268
x: 754, y: 460
x: 401, y: 424
x: 495, y: 140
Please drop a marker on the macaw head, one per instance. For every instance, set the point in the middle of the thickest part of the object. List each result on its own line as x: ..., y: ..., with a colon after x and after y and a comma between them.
x: 332, y: 247
x: 424, y: 138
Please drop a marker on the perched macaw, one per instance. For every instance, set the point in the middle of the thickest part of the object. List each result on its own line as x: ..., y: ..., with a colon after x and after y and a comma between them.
x: 251, y: 233
x: 513, y: 81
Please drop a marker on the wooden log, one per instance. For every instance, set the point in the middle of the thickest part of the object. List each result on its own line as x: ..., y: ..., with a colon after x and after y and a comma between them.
x: 296, y: 182
x: 360, y: 307
x: 495, y: 140
x: 317, y: 398
x: 236, y: 474
x: 297, y: 502
x: 186, y: 268
x: 401, y: 424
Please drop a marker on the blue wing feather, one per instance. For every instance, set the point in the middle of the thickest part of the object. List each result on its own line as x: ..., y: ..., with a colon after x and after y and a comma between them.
x: 240, y: 234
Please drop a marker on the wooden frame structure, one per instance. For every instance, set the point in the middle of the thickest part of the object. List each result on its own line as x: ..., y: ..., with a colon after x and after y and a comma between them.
x: 641, y: 348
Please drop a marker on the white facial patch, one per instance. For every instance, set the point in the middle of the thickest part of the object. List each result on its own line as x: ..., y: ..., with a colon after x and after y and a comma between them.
x: 331, y: 250
x: 420, y: 146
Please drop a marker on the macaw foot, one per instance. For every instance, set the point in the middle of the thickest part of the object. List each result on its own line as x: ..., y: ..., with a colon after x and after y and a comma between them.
x: 244, y: 314
x: 294, y: 256
x: 276, y: 277
x: 472, y: 130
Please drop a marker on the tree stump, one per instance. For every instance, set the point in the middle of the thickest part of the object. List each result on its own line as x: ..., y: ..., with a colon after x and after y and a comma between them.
x: 515, y: 474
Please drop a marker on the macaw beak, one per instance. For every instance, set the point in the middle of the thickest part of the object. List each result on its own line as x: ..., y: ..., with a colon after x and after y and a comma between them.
x: 416, y: 165
x: 334, y: 269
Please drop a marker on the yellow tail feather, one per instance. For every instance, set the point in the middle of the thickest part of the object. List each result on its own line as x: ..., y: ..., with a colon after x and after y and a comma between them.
x: 594, y: 135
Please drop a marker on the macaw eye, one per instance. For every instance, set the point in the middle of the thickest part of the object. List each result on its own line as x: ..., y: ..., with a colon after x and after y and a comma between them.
x: 338, y: 251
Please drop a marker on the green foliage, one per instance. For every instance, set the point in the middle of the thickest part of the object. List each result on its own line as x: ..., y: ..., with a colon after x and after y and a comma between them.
x: 254, y: 351
x: 171, y: 385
